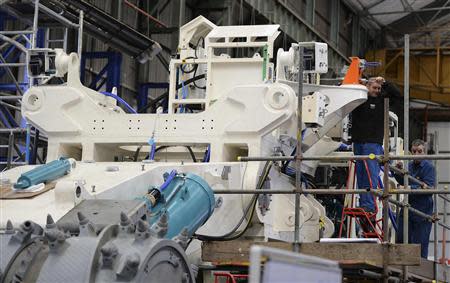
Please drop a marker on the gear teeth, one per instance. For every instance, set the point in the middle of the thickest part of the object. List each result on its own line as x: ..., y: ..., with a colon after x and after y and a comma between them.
x: 82, y: 218
x: 142, y: 230
x: 183, y: 238
x: 51, y: 235
x: 124, y: 220
x: 164, y: 219
x: 9, y: 227
x: 50, y: 223
x: 125, y: 224
x: 185, y: 232
x: 55, y: 238
x: 24, y: 232
x: 109, y: 253
x: 129, y: 267
x: 162, y: 226
x: 86, y: 227
x: 142, y: 226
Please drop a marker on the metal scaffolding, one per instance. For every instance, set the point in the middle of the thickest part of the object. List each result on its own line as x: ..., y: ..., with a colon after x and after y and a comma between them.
x: 384, y: 194
x: 26, y: 42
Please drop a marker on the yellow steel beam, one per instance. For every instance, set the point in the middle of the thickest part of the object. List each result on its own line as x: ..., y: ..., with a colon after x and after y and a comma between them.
x: 429, y: 80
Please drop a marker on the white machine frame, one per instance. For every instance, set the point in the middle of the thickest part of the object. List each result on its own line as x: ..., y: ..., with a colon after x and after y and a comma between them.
x: 244, y: 110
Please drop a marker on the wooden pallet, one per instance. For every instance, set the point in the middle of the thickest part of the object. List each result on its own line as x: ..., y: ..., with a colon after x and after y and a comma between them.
x: 6, y: 192
x: 351, y: 256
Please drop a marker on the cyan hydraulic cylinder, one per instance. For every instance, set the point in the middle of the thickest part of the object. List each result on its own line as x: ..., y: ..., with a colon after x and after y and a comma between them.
x: 44, y: 173
x: 188, y: 201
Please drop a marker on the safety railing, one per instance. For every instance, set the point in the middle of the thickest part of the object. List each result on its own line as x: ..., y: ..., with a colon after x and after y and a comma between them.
x: 384, y: 194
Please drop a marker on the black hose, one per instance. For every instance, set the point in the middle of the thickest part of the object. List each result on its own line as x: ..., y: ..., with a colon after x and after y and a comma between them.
x: 250, y: 208
x: 195, y: 72
x: 191, y: 152
x: 193, y: 69
x: 136, y: 153
x: 166, y: 94
x: 191, y: 80
x: 195, y: 83
x: 161, y: 147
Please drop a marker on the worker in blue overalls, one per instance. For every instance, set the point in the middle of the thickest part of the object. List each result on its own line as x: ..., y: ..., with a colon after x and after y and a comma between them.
x: 419, y: 227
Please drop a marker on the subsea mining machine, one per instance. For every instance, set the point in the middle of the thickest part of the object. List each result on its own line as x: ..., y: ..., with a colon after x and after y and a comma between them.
x: 123, y: 194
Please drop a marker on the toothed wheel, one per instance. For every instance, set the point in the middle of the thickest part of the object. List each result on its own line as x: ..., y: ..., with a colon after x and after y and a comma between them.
x: 124, y: 252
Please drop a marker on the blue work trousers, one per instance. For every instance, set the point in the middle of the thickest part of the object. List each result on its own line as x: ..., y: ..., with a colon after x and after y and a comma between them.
x: 418, y: 232
x: 366, y: 201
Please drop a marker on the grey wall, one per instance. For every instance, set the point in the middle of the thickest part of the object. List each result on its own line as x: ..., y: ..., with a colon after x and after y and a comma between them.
x: 331, y: 20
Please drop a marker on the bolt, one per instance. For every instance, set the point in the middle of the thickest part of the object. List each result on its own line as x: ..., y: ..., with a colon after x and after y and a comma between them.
x: 142, y: 231
x: 50, y: 223
x: 182, y: 238
x: 55, y: 238
x: 124, y: 220
x: 162, y: 225
x: 125, y: 224
x: 142, y: 226
x: 82, y: 219
x: 9, y: 227
x: 109, y: 253
x: 129, y: 269
x: 132, y: 260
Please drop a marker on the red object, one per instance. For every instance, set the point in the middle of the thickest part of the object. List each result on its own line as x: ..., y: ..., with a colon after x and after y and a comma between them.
x: 371, y: 224
x: 354, y: 72
x: 231, y: 278
x: 158, y: 22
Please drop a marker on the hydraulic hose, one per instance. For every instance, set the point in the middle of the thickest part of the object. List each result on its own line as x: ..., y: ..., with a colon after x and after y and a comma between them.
x: 191, y: 152
x: 250, y: 208
x: 207, y: 155
x: 152, y: 149
x: 166, y: 94
x: 169, y: 179
x: 121, y: 101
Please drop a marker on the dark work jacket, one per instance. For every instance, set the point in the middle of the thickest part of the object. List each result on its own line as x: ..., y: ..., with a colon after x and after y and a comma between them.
x: 368, y: 118
x: 368, y: 121
x: 425, y: 172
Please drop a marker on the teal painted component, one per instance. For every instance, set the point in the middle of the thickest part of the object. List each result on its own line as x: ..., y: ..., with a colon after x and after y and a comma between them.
x: 189, y: 202
x: 43, y: 173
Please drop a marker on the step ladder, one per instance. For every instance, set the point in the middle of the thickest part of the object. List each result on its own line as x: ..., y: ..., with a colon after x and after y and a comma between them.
x: 368, y: 222
x: 370, y: 225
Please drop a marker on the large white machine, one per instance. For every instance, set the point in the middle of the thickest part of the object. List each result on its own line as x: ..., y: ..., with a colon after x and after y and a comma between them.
x: 227, y: 98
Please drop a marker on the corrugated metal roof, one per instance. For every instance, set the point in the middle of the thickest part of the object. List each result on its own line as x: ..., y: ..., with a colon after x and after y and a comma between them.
x: 369, y: 7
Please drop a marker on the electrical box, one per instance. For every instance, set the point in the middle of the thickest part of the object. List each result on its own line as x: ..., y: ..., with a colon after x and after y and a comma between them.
x: 314, y: 110
x: 42, y: 62
x: 315, y: 57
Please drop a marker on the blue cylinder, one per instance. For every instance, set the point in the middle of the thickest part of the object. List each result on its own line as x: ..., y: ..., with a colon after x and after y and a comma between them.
x: 188, y: 201
x: 44, y: 173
